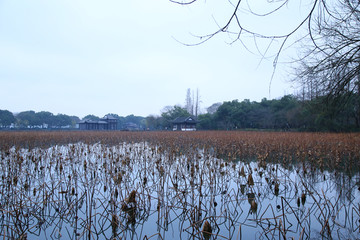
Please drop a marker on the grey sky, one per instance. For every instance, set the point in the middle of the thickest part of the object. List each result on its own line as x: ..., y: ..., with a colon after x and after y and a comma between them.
x: 96, y: 57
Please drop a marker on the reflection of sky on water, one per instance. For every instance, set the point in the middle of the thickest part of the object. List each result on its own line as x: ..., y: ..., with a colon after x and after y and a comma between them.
x: 82, y: 191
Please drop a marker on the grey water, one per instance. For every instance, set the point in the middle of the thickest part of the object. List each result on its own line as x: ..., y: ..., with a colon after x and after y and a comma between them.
x: 81, y: 191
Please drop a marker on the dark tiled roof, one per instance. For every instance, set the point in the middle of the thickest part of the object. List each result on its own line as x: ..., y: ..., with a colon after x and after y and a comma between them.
x: 94, y: 122
x: 109, y: 117
x: 88, y: 121
x: 101, y: 121
x: 188, y: 119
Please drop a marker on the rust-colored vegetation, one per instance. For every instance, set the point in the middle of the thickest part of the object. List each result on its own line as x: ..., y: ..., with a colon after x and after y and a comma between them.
x: 339, y: 151
x: 200, y: 185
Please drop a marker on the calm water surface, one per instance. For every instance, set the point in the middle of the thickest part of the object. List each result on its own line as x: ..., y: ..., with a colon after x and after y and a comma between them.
x: 136, y: 191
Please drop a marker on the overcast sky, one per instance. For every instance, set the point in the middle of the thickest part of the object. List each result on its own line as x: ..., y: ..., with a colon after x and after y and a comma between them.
x: 80, y: 57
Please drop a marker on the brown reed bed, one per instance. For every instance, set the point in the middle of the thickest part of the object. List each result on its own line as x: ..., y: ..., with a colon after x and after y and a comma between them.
x: 171, y: 185
x: 339, y: 151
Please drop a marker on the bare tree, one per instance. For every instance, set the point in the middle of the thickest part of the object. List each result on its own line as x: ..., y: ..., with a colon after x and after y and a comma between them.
x: 235, y: 27
x: 332, y: 61
x: 331, y: 65
x: 197, y: 103
x: 329, y: 28
x: 213, y: 108
x: 192, y: 102
x: 189, y: 102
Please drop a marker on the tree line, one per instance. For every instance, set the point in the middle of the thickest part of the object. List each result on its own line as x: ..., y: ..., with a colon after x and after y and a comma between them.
x: 47, y: 120
x: 32, y: 119
x: 287, y: 113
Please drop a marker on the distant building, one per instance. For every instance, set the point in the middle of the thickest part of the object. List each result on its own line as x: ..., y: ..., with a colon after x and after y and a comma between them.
x: 184, y: 124
x: 130, y: 126
x: 106, y: 123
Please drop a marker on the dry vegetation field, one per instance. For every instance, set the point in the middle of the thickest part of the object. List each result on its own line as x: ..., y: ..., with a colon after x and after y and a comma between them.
x: 171, y: 185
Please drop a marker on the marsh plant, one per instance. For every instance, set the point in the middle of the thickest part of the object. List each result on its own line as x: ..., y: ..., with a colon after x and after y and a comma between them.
x: 177, y: 186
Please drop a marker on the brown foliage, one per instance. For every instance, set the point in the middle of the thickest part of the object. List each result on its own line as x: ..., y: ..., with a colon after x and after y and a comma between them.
x: 326, y: 150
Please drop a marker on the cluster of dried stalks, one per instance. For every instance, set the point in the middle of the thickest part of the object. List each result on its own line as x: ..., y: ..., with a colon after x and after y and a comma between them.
x: 339, y: 151
x: 163, y: 185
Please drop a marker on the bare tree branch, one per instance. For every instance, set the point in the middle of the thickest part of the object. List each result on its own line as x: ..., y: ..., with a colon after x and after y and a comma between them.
x: 331, y: 64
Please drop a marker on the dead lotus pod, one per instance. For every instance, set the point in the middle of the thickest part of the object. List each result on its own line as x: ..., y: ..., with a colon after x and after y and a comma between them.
x: 130, y: 202
x: 250, y: 180
x: 277, y: 189
x: 253, y: 206
x: 131, y: 198
x: 303, y: 198
x: 207, y: 230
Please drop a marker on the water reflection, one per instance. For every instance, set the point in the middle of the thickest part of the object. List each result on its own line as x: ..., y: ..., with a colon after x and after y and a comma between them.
x: 137, y: 191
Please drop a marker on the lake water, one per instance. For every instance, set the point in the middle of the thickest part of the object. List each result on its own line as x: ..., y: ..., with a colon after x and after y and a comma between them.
x: 81, y: 191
